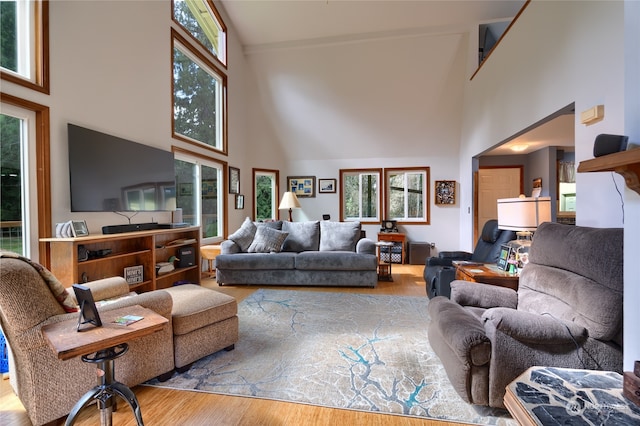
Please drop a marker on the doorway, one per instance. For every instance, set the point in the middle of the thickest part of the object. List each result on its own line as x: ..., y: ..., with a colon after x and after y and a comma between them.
x: 495, y: 183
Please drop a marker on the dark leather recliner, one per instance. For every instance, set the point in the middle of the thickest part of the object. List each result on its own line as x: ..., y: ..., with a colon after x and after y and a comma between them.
x: 439, y: 271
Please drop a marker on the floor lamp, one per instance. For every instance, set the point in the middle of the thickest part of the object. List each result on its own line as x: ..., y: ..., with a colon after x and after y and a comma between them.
x: 289, y: 201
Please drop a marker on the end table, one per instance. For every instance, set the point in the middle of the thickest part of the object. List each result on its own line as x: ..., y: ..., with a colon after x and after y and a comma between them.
x: 106, y: 343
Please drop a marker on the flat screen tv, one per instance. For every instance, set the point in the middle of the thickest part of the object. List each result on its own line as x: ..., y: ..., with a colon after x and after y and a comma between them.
x: 111, y: 174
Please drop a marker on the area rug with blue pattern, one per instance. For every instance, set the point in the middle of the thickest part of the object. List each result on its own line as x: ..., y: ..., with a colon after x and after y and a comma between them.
x: 348, y: 351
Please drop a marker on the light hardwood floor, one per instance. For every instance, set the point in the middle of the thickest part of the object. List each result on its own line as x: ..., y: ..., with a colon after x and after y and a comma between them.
x: 172, y: 407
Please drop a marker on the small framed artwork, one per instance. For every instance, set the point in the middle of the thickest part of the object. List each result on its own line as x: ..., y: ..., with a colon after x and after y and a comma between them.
x: 234, y: 180
x: 503, y: 258
x: 445, y: 192
x: 326, y: 186
x: 79, y: 228
x: 302, y: 186
x: 239, y: 202
x: 88, y: 312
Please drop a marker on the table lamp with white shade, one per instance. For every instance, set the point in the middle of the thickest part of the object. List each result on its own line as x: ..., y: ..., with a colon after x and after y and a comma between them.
x: 289, y: 201
x: 523, y: 215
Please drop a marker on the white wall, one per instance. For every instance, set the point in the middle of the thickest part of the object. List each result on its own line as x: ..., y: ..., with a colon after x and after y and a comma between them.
x: 111, y: 71
x: 385, y: 102
x: 555, y: 54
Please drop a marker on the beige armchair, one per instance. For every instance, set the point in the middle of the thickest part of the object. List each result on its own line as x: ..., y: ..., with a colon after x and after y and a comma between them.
x: 567, y: 312
x: 48, y: 387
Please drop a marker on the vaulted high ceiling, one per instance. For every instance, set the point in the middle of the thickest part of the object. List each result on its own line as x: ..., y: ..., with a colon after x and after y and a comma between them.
x: 260, y: 22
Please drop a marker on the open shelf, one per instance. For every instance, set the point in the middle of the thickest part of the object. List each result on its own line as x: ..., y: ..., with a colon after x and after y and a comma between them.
x: 140, y: 248
x: 625, y: 163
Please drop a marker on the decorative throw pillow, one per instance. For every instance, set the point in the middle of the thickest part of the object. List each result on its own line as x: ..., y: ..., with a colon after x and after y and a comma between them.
x: 267, y: 240
x: 244, y: 236
x: 275, y: 224
x: 57, y: 289
x: 339, y: 236
x: 303, y: 236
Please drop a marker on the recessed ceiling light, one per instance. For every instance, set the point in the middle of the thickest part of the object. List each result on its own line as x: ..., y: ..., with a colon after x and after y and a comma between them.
x: 518, y: 148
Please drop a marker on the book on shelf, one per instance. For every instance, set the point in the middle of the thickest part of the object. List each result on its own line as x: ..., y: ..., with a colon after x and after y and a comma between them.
x: 181, y: 241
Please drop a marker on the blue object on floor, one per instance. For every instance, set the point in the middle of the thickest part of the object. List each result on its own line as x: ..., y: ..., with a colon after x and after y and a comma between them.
x: 4, y: 355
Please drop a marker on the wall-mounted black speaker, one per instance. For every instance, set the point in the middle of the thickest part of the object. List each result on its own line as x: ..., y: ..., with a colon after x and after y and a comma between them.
x: 608, y: 144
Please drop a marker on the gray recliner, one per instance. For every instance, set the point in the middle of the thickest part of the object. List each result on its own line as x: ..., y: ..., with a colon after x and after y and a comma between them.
x: 566, y: 313
x: 439, y: 271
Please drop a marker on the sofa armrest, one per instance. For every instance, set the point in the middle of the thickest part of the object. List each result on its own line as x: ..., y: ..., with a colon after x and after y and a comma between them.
x: 460, y: 330
x: 455, y: 255
x: 158, y: 301
x: 534, y: 329
x: 438, y: 261
x: 483, y: 295
x: 366, y: 246
x: 108, y: 288
x: 103, y: 289
x: 229, y: 247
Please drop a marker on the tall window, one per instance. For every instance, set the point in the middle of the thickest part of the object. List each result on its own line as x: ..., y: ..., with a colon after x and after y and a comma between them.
x: 200, y: 193
x: 407, y: 194
x: 360, y: 195
x: 265, y: 194
x: 199, y: 97
x: 202, y: 21
x: 24, y: 44
x: 25, y: 208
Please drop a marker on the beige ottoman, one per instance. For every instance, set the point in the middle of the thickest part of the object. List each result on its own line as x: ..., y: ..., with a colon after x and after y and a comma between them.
x: 204, y: 321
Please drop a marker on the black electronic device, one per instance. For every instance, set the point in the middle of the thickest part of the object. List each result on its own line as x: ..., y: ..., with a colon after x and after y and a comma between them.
x: 187, y: 256
x: 608, y: 144
x: 109, y: 174
x: 389, y: 226
x: 131, y: 227
x: 88, y: 311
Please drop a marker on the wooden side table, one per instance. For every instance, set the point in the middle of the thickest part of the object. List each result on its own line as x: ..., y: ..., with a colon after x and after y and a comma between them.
x: 384, y: 268
x: 396, y: 238
x: 487, y: 273
x: 210, y: 252
x: 101, y: 346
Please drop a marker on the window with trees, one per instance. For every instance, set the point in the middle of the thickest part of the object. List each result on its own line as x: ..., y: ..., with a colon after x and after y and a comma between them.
x: 24, y: 45
x: 25, y: 212
x: 199, y: 97
x: 204, y: 24
x: 360, y: 195
x: 407, y: 194
x: 200, y: 194
x: 265, y: 194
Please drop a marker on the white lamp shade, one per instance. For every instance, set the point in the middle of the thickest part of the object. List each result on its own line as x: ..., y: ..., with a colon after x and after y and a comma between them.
x: 523, y: 214
x: 289, y: 201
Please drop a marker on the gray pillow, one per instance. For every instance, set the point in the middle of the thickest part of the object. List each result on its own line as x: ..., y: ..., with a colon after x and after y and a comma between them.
x: 267, y: 240
x: 335, y: 236
x: 275, y: 224
x: 244, y: 236
x: 303, y: 236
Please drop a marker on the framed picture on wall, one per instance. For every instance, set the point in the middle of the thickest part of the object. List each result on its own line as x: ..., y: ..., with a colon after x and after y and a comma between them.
x: 234, y: 180
x: 326, y: 186
x: 445, y: 192
x: 302, y: 186
x: 239, y: 202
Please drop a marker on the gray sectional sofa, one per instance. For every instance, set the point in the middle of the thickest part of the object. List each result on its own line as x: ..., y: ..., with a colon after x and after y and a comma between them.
x: 312, y: 253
